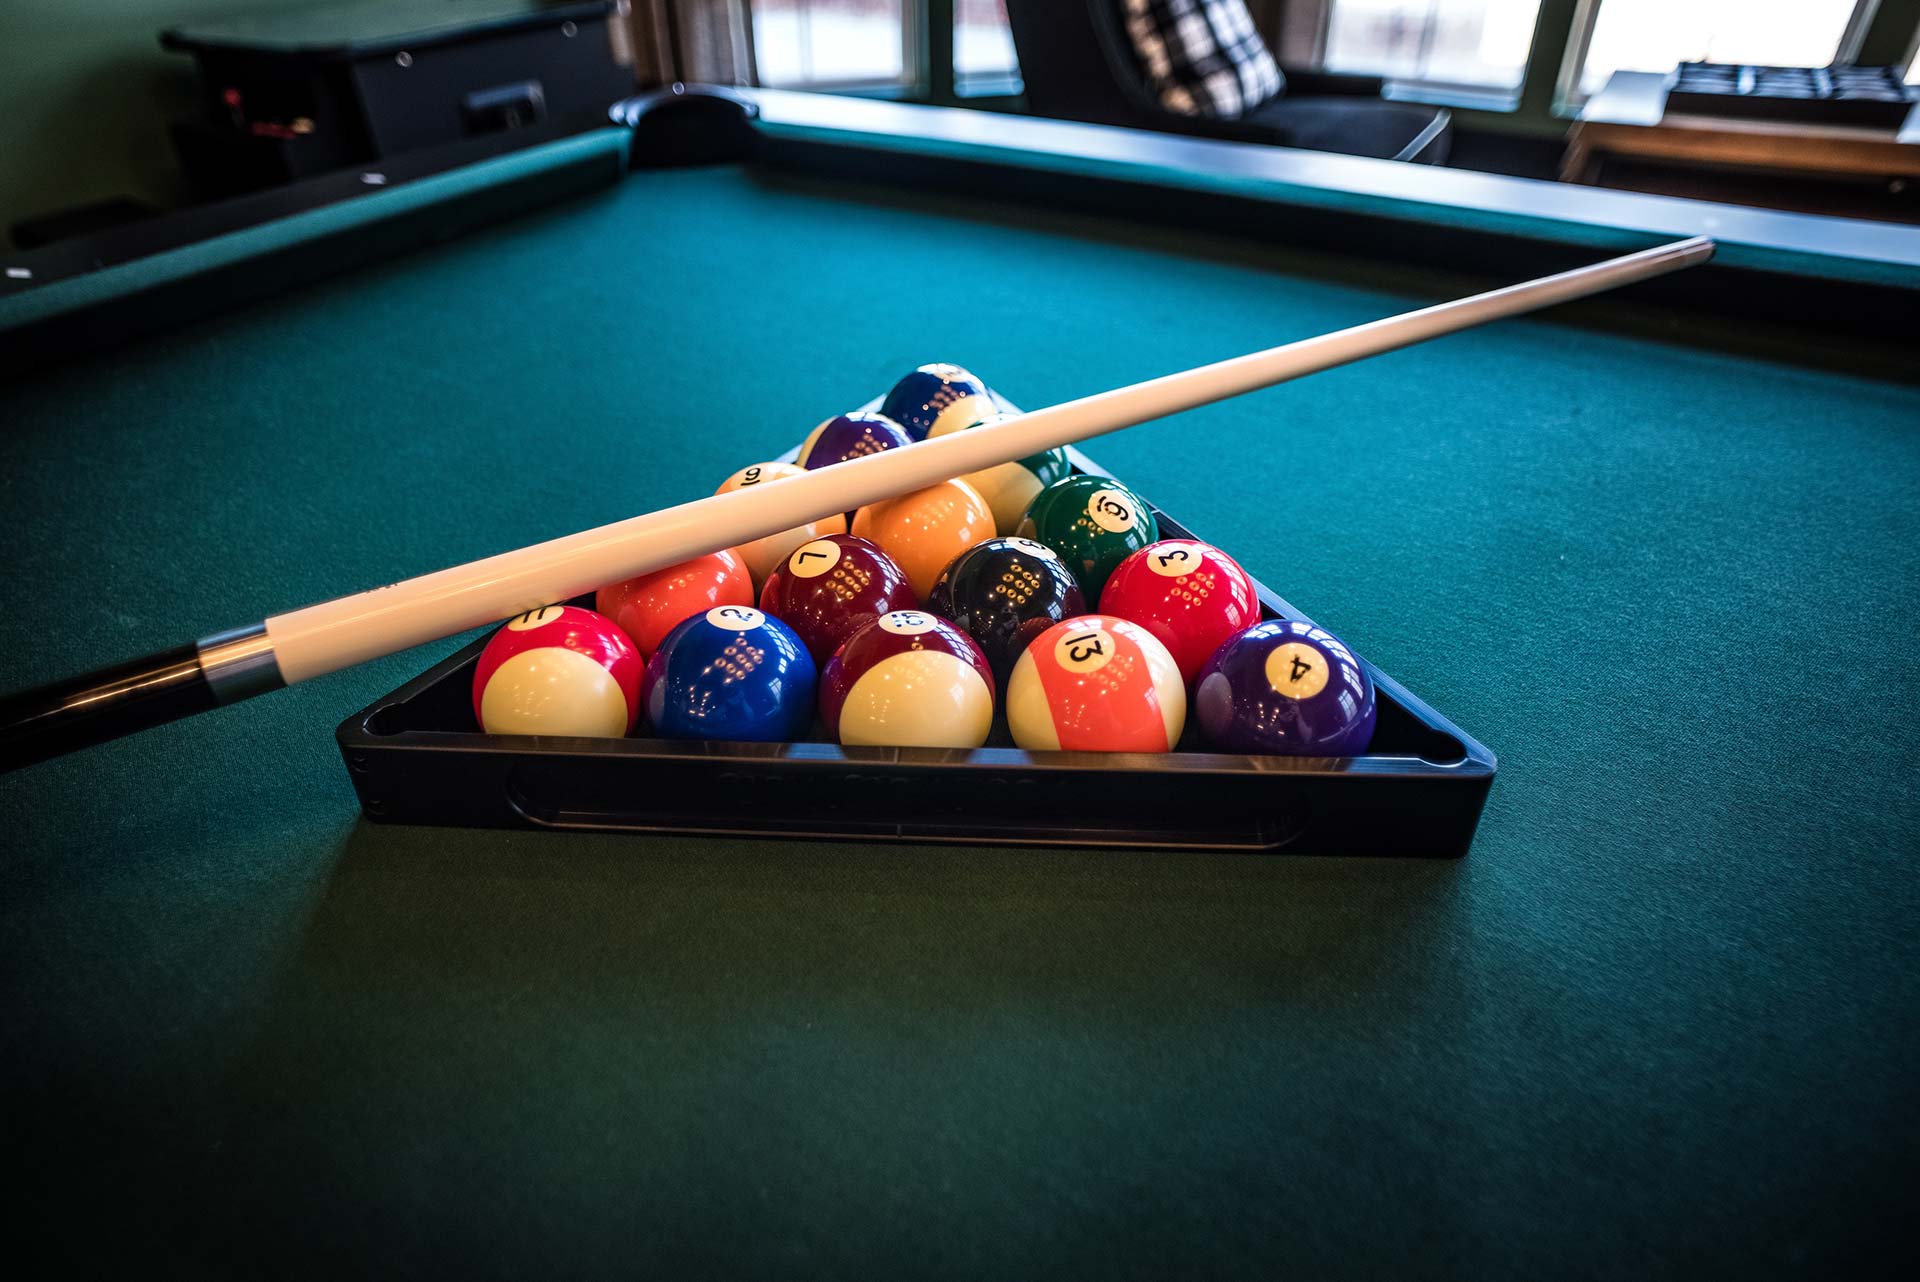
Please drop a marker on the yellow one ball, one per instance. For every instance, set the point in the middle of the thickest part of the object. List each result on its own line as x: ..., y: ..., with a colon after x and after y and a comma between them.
x: 1008, y: 487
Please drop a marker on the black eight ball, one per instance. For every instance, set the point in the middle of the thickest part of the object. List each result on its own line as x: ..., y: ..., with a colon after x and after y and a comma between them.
x: 1003, y: 593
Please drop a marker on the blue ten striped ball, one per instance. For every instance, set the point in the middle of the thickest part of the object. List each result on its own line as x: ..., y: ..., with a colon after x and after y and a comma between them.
x: 934, y: 394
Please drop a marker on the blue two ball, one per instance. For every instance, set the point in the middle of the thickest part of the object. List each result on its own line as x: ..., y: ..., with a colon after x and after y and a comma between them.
x: 731, y: 673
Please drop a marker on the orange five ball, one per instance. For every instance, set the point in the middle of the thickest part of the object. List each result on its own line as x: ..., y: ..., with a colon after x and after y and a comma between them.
x: 926, y: 529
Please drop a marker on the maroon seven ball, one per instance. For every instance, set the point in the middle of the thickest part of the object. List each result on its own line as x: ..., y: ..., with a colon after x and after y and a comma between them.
x: 830, y: 588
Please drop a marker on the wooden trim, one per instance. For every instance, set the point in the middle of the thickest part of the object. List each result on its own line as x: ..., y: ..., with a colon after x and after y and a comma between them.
x: 1742, y: 144
x: 650, y: 34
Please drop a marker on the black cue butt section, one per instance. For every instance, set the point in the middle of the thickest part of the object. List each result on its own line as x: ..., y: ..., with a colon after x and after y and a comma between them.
x: 102, y: 705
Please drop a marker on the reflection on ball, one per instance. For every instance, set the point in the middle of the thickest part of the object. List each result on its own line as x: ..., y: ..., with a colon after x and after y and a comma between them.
x: 1003, y: 593
x: 1191, y: 595
x: 937, y: 394
x: 850, y: 436
x: 731, y: 673
x: 831, y: 588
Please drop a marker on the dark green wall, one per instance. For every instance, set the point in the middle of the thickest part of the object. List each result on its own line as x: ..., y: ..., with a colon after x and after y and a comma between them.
x: 85, y: 96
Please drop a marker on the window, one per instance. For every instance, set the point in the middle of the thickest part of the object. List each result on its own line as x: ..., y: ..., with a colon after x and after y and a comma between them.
x: 829, y: 42
x: 853, y: 44
x: 1480, y: 44
x: 1655, y: 35
x: 983, y: 57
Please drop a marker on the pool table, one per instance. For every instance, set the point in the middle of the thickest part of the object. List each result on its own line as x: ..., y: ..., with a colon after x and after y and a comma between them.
x: 1660, y: 551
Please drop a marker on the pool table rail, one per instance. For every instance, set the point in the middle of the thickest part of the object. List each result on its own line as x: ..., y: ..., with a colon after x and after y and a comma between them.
x: 1818, y: 290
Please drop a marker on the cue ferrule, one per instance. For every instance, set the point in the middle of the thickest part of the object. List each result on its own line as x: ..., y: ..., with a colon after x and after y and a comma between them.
x: 85, y: 710
x: 239, y: 663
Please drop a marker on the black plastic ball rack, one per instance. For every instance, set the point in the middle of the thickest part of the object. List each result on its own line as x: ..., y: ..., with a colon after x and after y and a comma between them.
x: 416, y: 756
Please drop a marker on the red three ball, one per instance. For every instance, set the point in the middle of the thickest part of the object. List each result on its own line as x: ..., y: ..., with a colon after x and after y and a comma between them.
x: 1190, y: 595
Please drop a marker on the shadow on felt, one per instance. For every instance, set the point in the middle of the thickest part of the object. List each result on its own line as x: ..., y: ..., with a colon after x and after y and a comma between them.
x: 537, y: 1018
x: 442, y: 923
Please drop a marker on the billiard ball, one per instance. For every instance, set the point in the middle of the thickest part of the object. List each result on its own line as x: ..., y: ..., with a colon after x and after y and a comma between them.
x: 558, y: 670
x: 850, y: 436
x: 1288, y: 688
x: 937, y: 393
x: 908, y: 680
x: 1191, y: 595
x: 764, y: 556
x: 648, y: 607
x: 731, y: 673
x: 1096, y: 684
x: 1009, y: 487
x: 1003, y: 593
x: 1094, y: 523
x: 832, y: 587
x: 924, y: 530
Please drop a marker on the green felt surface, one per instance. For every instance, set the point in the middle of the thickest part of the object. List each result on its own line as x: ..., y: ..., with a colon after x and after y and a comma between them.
x: 1661, y: 1020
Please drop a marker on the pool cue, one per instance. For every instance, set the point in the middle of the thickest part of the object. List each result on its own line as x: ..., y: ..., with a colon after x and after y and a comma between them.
x: 226, y: 667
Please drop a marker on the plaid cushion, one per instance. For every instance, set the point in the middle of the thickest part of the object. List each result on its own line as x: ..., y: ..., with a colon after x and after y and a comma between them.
x: 1203, y: 57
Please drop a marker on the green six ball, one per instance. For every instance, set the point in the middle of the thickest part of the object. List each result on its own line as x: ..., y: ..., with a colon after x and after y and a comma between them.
x: 1094, y: 523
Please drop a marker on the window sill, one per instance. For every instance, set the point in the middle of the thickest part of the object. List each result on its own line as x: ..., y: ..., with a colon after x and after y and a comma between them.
x: 1467, y: 97
x: 892, y: 91
x: 996, y: 85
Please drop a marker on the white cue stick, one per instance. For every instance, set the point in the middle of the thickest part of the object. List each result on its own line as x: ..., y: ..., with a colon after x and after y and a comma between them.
x: 306, y: 643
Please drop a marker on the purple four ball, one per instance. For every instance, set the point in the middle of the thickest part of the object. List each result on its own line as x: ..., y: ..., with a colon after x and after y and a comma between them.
x: 1286, y: 687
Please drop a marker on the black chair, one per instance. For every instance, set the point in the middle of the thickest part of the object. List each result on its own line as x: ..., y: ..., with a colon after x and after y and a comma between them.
x: 1078, y: 64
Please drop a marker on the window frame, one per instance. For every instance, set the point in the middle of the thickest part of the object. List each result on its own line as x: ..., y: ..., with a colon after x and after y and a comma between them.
x: 927, y: 70
x: 1877, y: 31
x: 944, y: 15
x: 1567, y: 95
x: 1318, y: 16
x: 911, y: 83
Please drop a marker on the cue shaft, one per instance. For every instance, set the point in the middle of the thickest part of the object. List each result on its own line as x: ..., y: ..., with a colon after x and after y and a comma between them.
x: 350, y: 630
x: 318, y: 639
